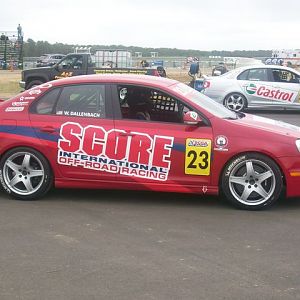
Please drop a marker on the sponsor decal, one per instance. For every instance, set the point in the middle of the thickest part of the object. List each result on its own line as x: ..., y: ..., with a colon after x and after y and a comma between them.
x: 121, y: 71
x: 64, y: 75
x: 34, y: 92
x: 251, y: 89
x: 10, y: 109
x: 194, y: 115
x: 198, y: 143
x: 233, y: 164
x: 112, y: 151
x: 269, y: 92
x: 26, y: 98
x: 78, y: 114
x: 21, y: 103
x: 197, y: 157
x: 45, y: 85
x: 221, y: 143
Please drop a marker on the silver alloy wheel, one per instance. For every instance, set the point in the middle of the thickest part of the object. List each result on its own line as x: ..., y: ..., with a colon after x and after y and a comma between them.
x: 23, y: 173
x: 235, y: 102
x: 252, y: 182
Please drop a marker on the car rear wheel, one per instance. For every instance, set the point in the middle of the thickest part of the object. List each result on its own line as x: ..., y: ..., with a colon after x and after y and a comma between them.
x: 235, y: 102
x: 25, y: 174
x: 252, y: 181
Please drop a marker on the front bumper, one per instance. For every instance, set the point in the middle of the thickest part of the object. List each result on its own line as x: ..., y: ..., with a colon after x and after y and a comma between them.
x: 22, y: 84
x: 291, y: 169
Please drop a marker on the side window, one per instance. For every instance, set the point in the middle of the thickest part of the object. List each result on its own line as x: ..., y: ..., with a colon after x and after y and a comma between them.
x: 147, y: 104
x: 243, y: 75
x: 72, y: 62
x: 258, y: 75
x: 280, y: 75
x: 82, y: 100
x: 46, y: 104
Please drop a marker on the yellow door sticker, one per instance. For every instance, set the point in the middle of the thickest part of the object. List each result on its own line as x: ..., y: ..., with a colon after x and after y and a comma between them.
x: 197, y: 157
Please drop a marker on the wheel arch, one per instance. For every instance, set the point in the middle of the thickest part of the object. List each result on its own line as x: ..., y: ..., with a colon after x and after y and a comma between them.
x: 33, y: 148
x: 236, y: 155
x: 33, y: 78
x: 235, y: 92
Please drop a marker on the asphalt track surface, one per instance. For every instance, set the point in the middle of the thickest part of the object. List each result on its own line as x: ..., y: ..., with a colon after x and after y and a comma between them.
x: 76, y: 244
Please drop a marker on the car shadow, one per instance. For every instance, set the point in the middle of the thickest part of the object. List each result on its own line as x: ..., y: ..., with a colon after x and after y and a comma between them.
x: 133, y: 197
x: 147, y: 198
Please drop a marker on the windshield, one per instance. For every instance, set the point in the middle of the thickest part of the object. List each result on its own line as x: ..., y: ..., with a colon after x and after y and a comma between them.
x: 205, y: 102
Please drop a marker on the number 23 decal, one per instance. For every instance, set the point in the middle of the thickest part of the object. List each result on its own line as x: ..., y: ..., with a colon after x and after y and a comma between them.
x: 197, y: 157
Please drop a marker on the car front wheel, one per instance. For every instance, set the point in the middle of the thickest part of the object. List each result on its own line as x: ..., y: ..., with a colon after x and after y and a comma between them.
x: 34, y: 83
x: 252, y: 181
x: 25, y: 174
x: 235, y: 102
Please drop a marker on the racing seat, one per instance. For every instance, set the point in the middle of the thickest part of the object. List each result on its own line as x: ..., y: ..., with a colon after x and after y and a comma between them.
x: 138, y: 102
x: 142, y: 115
x: 276, y: 76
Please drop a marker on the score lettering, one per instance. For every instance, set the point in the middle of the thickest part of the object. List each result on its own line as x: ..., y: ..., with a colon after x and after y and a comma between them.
x: 94, y: 141
x: 70, y: 133
x: 135, y: 154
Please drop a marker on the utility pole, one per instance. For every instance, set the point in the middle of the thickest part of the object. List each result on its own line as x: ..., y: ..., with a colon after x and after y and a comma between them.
x: 5, y: 54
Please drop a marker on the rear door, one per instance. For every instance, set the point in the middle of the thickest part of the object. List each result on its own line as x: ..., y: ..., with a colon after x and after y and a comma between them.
x: 254, y: 82
x: 74, y: 124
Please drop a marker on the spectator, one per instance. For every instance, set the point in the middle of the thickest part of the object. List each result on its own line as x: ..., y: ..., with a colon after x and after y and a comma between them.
x: 144, y: 64
x: 219, y: 70
x: 194, y: 71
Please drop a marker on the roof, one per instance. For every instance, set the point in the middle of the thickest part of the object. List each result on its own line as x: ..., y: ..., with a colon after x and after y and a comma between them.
x: 267, y: 67
x: 117, y: 78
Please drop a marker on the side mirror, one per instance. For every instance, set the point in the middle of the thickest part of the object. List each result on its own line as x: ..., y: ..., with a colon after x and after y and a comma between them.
x: 191, y: 118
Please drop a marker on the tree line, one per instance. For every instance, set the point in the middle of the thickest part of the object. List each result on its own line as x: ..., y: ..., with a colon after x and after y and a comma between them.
x: 35, y: 49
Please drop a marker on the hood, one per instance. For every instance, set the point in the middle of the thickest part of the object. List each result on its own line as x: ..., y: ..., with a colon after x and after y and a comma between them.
x: 270, y: 125
x: 38, y: 70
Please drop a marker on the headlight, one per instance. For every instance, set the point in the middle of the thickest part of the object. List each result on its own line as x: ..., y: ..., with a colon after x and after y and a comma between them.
x: 298, y: 145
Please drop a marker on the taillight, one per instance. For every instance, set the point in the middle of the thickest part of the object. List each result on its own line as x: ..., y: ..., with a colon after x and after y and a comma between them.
x: 206, y: 84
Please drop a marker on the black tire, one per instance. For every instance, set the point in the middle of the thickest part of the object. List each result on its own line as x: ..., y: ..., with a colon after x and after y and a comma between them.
x: 235, y: 102
x: 34, y: 83
x: 252, y: 181
x: 25, y: 174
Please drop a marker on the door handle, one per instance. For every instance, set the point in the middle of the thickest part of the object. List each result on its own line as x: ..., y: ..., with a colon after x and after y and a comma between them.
x: 48, y: 129
x: 127, y: 133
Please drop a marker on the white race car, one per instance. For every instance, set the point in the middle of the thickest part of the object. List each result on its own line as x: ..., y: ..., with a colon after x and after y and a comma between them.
x: 255, y: 86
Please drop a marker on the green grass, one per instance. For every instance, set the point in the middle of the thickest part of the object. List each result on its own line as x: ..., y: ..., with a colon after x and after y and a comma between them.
x: 9, y: 84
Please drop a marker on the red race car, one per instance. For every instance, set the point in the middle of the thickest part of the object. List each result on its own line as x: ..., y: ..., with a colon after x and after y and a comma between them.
x: 143, y: 133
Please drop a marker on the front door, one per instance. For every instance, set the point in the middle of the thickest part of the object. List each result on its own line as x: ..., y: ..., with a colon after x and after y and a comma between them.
x: 286, y: 87
x: 157, y: 146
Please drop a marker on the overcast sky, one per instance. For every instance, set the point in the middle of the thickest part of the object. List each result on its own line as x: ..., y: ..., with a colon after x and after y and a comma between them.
x: 194, y: 24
